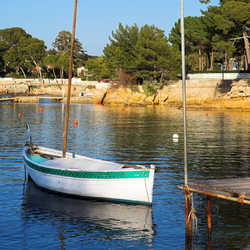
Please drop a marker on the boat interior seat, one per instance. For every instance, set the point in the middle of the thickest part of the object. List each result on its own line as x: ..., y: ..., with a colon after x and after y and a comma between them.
x: 82, y: 164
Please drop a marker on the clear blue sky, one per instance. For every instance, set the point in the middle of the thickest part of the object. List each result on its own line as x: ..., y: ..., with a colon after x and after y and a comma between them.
x: 95, y: 19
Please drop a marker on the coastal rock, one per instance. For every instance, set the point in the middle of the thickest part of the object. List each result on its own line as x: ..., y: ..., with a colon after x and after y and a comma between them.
x: 162, y: 96
x: 98, y: 95
x: 239, y: 91
x: 239, y: 104
x: 125, y: 96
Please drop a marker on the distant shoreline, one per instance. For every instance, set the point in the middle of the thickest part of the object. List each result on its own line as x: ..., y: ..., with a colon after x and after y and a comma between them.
x: 200, y: 94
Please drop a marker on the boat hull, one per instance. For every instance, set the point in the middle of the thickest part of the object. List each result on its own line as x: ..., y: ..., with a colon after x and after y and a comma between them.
x: 132, y: 185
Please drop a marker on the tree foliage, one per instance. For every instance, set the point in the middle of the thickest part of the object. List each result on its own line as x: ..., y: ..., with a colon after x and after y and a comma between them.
x: 121, y: 52
x: 98, y: 69
x: 62, y: 44
x: 229, y: 28
x: 63, y: 64
x: 11, y: 36
x: 19, y: 49
x: 51, y: 61
x: 142, y: 53
x: 33, y: 51
x: 197, y: 40
x: 219, y: 34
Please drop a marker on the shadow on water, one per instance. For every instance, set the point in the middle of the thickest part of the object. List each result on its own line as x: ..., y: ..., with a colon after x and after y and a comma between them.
x: 103, y: 220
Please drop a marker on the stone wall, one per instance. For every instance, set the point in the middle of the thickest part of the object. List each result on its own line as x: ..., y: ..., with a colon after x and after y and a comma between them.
x: 44, y: 89
x: 196, y: 90
x: 200, y: 90
x: 14, y: 89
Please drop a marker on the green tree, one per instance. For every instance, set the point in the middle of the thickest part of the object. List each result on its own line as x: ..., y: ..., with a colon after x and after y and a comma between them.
x: 155, y: 55
x: 63, y: 42
x: 200, y: 39
x: 33, y: 51
x: 51, y: 61
x: 197, y: 40
x: 140, y: 53
x: 175, y: 34
x: 121, y: 52
x: 9, y: 40
x: 63, y: 45
x: 14, y: 59
x: 97, y: 68
x: 208, y: 19
x: 222, y: 2
x: 63, y: 64
x: 229, y: 20
x: 147, y: 53
x: 224, y: 49
x: 51, y: 52
x: 235, y: 18
x: 11, y: 36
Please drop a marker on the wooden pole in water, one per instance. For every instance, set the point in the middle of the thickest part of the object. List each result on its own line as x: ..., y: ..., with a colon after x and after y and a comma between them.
x: 69, y: 83
x: 187, y: 214
x: 184, y: 94
x: 187, y: 194
x: 209, y: 218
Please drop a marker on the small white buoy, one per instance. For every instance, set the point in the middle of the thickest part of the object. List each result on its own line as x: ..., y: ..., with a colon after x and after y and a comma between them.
x: 175, y: 136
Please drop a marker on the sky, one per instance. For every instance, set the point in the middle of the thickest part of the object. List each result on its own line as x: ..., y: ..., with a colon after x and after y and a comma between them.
x: 96, y: 19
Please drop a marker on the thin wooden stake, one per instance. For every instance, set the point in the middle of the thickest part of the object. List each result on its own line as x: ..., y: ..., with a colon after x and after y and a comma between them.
x: 187, y: 212
x: 209, y: 218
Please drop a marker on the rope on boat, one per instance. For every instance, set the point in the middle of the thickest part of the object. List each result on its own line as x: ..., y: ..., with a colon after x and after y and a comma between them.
x: 241, y: 198
x: 32, y: 147
x: 145, y: 186
x: 193, y: 216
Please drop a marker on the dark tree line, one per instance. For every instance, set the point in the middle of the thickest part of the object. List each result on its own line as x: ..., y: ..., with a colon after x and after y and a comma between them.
x: 22, y: 54
x: 144, y: 54
x: 220, y: 35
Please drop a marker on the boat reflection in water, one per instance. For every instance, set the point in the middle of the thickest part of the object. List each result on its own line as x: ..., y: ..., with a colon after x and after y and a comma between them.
x: 90, y: 216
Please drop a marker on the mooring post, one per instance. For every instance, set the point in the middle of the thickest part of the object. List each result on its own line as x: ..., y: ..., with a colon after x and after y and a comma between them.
x: 187, y: 213
x: 209, y: 220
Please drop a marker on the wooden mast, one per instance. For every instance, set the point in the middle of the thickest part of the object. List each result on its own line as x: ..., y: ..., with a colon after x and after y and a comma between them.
x: 69, y: 84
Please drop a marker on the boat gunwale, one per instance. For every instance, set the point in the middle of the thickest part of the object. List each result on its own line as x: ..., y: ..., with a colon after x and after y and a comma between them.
x: 122, y: 173
x: 57, y: 154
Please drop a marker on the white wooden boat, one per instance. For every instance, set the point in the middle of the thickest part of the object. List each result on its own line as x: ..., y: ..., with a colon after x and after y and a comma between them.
x: 67, y: 173
x: 87, y: 177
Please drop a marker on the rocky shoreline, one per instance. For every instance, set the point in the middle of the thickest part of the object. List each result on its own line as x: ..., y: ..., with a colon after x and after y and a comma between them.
x: 200, y: 94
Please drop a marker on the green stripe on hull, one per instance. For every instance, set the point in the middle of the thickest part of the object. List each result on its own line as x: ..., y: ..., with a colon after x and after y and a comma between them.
x: 90, y: 175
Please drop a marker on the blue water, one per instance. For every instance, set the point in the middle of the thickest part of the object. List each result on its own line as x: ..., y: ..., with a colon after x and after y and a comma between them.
x: 218, y: 147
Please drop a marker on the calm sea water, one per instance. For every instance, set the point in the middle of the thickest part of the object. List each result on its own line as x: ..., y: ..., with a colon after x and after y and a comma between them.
x: 218, y: 147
